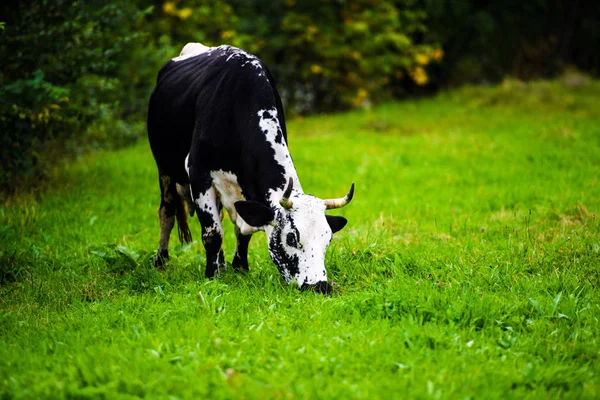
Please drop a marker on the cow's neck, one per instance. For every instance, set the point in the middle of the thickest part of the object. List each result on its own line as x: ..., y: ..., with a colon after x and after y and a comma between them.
x: 274, y: 195
x: 270, y: 126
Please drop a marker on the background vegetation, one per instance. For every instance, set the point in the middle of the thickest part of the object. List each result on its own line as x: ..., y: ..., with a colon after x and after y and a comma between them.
x: 77, y: 74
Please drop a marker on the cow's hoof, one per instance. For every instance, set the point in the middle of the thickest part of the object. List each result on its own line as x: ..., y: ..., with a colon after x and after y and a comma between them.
x: 215, y: 272
x: 239, y: 265
x: 211, y: 272
x: 162, y: 256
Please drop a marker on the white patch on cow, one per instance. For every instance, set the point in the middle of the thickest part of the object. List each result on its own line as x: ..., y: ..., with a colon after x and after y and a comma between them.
x: 208, y: 203
x: 204, y: 206
x: 187, y: 171
x: 229, y: 191
x: 244, y: 58
x: 191, y: 50
x: 269, y: 124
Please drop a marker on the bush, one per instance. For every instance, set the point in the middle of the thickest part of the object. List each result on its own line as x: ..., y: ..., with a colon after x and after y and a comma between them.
x: 78, y: 75
x: 331, y: 55
x: 61, y: 59
x: 487, y: 41
x: 325, y: 55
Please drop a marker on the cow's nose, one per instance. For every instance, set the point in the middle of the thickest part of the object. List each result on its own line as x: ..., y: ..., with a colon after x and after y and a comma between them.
x: 322, y: 287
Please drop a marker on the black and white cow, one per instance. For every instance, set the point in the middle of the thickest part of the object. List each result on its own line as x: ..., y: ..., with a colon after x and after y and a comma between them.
x: 217, y: 131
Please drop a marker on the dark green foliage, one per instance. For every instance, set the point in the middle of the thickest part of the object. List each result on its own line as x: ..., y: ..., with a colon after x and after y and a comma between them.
x: 76, y: 75
x: 486, y: 41
x: 60, y: 79
x: 332, y: 55
x: 325, y: 56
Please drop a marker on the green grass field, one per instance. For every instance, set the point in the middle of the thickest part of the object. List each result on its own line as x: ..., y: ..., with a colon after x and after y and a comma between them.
x: 469, y: 267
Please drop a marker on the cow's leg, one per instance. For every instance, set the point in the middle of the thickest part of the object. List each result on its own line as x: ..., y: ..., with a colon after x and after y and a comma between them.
x: 207, y: 208
x: 240, y: 260
x: 166, y: 217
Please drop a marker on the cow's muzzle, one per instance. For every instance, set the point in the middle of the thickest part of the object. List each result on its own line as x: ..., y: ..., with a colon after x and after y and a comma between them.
x: 322, y: 287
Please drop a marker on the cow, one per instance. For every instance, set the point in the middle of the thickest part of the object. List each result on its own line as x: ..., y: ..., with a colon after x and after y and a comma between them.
x: 217, y: 131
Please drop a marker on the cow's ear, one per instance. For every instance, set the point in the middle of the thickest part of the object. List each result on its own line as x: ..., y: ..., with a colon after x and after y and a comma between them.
x: 254, y: 213
x: 336, y: 223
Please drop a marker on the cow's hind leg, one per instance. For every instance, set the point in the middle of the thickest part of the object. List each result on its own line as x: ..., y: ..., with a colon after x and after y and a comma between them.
x: 171, y: 207
x: 166, y: 218
x: 240, y: 260
x: 208, y: 210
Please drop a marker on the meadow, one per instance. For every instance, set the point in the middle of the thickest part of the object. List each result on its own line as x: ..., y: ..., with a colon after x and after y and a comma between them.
x: 469, y: 267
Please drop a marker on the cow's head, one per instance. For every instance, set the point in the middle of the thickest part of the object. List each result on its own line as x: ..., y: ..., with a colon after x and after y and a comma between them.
x: 298, y: 234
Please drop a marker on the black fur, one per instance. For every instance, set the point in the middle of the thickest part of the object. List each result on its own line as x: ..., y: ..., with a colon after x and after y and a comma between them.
x: 336, y: 223
x: 254, y: 213
x: 207, y: 105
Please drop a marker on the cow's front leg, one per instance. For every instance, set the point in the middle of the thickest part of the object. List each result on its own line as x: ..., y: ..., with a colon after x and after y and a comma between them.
x: 240, y: 260
x: 207, y: 208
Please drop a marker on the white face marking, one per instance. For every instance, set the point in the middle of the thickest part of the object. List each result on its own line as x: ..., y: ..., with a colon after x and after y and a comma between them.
x: 191, y: 50
x: 303, y: 260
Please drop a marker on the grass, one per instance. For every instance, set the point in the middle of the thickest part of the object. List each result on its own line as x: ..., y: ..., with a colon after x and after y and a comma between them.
x: 469, y: 267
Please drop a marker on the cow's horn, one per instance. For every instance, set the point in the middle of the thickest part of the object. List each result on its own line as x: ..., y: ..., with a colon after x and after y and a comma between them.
x: 337, y: 203
x: 285, y: 200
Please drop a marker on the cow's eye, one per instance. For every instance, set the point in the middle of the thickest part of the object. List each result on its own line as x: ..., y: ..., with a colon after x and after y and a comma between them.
x: 291, y: 240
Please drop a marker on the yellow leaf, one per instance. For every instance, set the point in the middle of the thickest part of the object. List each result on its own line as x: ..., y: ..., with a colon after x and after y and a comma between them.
x: 311, y: 29
x: 419, y: 76
x: 185, y: 13
x: 316, y: 69
x: 422, y: 59
x: 169, y: 7
x: 227, y: 34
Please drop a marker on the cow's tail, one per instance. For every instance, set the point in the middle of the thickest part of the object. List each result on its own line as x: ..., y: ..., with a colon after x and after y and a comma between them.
x: 185, y: 235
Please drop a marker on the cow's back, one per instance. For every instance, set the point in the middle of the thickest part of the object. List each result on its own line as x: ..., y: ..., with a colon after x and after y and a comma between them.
x: 205, y: 100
